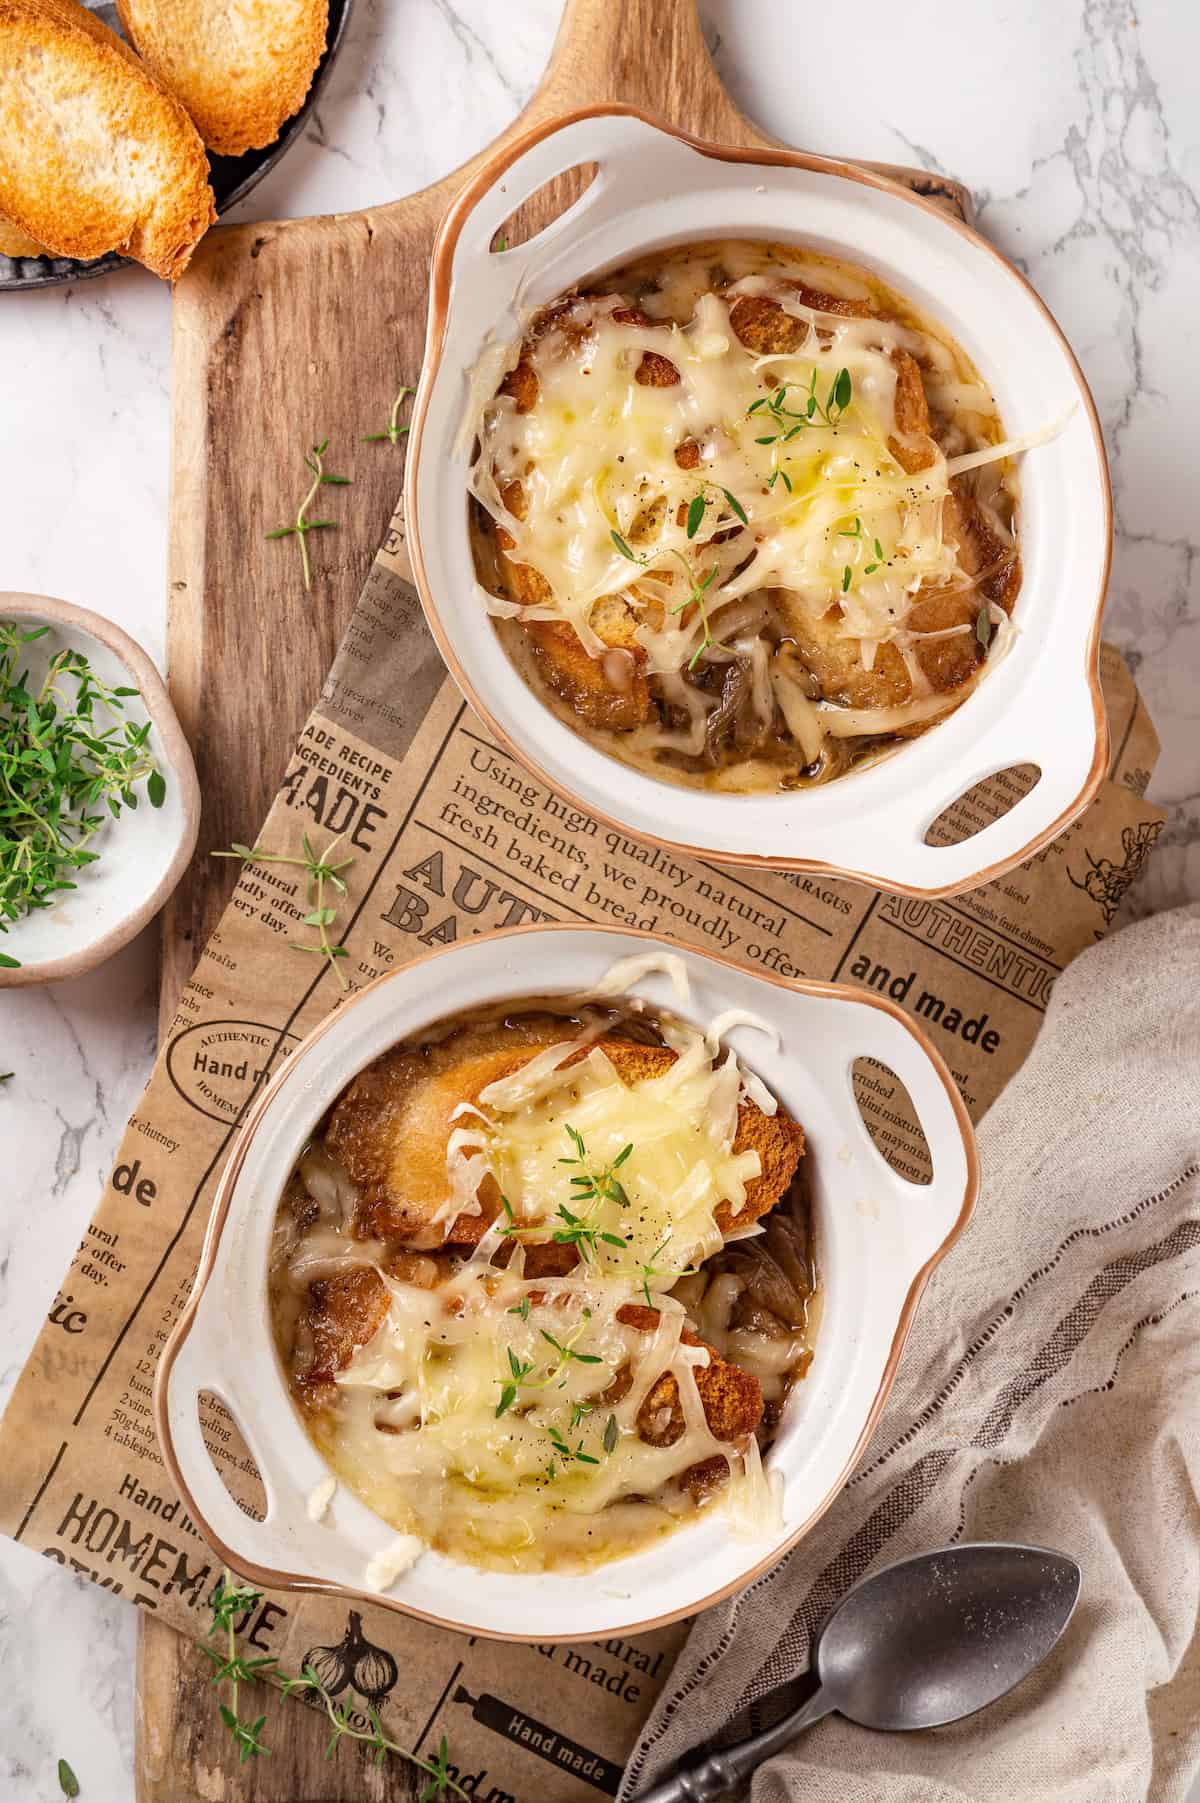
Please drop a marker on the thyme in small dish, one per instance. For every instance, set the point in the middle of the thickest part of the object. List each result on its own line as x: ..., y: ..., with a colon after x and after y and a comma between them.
x: 301, y: 526
x: 321, y: 870
x: 392, y: 432
x: 228, y: 1602
x: 69, y: 761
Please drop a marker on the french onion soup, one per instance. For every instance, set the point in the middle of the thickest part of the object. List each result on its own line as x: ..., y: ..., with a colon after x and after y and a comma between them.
x: 743, y: 515
x: 542, y: 1280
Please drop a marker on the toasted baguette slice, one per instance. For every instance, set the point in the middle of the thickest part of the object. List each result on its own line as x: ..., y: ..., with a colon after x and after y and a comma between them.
x: 391, y: 1125
x: 732, y: 1398
x: 240, y: 69
x: 16, y: 243
x: 95, y: 156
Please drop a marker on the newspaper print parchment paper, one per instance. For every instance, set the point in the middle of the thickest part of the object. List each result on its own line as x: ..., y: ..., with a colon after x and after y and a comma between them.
x: 450, y: 837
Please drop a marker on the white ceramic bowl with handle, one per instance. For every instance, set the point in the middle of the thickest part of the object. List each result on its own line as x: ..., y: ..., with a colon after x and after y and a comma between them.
x: 877, y: 1238
x: 1041, y: 705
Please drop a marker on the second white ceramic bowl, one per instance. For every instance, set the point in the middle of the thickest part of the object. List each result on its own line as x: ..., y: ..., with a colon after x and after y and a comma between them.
x: 877, y: 1236
x: 1042, y: 705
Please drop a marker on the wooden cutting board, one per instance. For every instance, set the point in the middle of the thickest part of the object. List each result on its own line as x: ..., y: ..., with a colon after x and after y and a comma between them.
x: 285, y: 334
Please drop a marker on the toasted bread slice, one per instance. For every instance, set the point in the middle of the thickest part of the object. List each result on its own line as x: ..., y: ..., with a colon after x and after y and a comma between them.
x: 732, y: 1398
x: 16, y: 243
x: 568, y: 668
x: 914, y: 449
x: 764, y: 326
x: 391, y: 1126
x: 95, y: 155
x: 346, y: 1311
x: 240, y: 69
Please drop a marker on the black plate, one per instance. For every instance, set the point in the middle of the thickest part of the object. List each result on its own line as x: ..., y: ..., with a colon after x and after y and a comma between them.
x: 232, y: 177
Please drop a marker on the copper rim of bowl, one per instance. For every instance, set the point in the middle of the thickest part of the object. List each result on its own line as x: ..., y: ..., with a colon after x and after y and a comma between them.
x: 439, y: 303
x: 271, y: 1579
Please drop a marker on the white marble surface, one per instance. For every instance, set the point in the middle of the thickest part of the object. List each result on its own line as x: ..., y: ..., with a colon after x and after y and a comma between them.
x: 1074, y: 122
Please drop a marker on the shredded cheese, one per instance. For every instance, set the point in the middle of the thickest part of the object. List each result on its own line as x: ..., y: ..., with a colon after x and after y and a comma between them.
x: 396, y: 1558
x: 319, y: 1499
x: 797, y: 460
x: 527, y: 1415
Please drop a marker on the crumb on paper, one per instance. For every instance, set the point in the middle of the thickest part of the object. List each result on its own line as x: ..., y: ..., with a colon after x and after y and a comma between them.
x: 393, y: 1562
x: 320, y: 1498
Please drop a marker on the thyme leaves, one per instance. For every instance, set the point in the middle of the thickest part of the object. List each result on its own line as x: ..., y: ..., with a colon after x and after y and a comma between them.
x: 228, y: 1602
x: 301, y: 526
x: 392, y: 431
x: 324, y: 873
x: 69, y: 761
x: 790, y: 422
x: 699, y: 585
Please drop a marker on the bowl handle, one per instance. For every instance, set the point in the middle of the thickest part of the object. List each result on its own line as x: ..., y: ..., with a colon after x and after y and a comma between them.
x: 196, y: 1368
x: 927, y: 1213
x: 616, y: 140
x: 1053, y: 725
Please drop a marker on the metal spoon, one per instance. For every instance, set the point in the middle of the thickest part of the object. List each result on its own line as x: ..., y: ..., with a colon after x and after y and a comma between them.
x: 920, y: 1643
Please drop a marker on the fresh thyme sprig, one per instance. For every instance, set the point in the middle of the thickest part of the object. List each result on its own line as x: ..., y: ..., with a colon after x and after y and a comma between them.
x: 68, y: 1783
x: 583, y: 1231
x: 699, y: 586
x: 228, y: 1601
x: 63, y: 771
x: 601, y: 1185
x: 695, y: 512
x: 856, y: 531
x: 650, y: 1269
x: 565, y: 1454
x: 301, y: 526
x: 594, y: 1188
x: 321, y: 870
x: 392, y: 432
x: 788, y: 423
x: 520, y: 1370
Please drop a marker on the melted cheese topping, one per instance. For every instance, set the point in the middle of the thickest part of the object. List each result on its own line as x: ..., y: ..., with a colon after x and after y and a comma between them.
x: 798, y: 506
x: 504, y: 1418
x: 596, y: 455
x: 515, y: 1484
x: 659, y: 1207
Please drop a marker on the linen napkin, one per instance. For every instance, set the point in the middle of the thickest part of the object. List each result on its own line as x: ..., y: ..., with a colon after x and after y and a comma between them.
x: 1049, y: 1392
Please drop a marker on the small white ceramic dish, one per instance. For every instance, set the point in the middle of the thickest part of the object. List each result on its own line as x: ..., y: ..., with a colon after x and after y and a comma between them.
x: 145, y: 852
x: 1042, y: 705
x: 878, y: 1237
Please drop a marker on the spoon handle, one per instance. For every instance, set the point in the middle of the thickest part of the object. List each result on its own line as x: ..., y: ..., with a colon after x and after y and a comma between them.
x: 718, y: 1773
